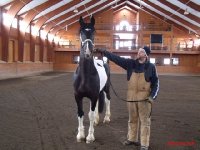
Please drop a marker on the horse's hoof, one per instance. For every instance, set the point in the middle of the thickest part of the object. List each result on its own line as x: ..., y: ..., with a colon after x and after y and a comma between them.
x: 96, y: 123
x: 80, y: 139
x: 90, y: 139
x: 106, y: 121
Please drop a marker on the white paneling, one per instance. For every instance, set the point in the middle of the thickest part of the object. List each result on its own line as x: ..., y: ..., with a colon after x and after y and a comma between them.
x: 184, y: 7
x: 108, y: 5
x: 174, y: 12
x: 31, y: 5
x: 4, y: 2
x: 68, y: 10
x: 196, y: 1
x: 166, y: 16
x: 52, y: 8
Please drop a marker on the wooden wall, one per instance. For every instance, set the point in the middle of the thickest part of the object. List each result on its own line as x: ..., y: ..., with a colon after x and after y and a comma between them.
x: 15, y: 68
x: 189, y: 61
x: 62, y: 59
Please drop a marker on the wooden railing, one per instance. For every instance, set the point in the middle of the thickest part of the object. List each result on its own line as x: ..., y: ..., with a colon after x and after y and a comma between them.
x: 133, y: 27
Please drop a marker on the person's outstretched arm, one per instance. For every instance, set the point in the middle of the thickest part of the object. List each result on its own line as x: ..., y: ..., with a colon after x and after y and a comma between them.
x: 120, y: 61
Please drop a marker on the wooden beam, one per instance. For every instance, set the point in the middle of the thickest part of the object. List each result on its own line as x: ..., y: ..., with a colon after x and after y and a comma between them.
x: 191, y: 4
x: 181, y: 11
x: 52, y: 24
x: 189, y: 25
x: 62, y: 25
x: 16, y: 6
x: 27, y: 20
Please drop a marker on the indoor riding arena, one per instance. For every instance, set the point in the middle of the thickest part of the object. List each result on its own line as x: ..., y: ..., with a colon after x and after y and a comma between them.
x: 50, y: 52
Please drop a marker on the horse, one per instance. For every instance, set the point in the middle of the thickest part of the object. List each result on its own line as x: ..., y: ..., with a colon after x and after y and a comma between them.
x: 91, y: 80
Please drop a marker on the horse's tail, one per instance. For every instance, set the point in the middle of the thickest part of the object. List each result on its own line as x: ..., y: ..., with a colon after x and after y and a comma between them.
x: 101, y: 101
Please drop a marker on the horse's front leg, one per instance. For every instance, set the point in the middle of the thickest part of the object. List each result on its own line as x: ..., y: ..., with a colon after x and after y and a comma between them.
x: 96, y: 119
x: 81, y: 132
x: 90, y: 138
x: 107, y: 115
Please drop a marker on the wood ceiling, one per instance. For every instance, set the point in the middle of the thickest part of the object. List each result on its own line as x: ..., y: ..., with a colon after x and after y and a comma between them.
x: 54, y: 15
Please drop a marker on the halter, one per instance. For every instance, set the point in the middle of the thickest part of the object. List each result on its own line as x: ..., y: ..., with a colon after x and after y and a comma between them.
x: 86, y: 40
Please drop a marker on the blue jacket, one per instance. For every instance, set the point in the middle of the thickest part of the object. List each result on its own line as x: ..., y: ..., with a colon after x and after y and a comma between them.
x: 131, y: 65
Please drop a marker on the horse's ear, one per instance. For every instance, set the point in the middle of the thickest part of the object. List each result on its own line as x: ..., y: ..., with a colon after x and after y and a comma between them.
x: 92, y: 20
x: 81, y: 21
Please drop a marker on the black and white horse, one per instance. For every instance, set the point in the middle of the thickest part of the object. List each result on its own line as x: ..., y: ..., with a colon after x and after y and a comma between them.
x: 91, y: 80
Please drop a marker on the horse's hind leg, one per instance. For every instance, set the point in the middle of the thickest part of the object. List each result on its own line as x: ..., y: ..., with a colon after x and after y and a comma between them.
x: 81, y: 132
x: 90, y: 138
x: 107, y: 101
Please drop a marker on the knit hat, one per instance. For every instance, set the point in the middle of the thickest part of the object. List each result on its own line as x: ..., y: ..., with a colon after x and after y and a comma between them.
x: 147, y: 50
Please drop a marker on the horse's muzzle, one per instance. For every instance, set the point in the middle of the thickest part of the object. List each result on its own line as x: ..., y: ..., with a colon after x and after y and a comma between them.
x: 87, y: 56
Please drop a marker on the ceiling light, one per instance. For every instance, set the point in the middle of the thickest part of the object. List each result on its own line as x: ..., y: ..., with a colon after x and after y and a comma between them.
x: 141, y: 7
x: 186, y: 12
x: 75, y: 10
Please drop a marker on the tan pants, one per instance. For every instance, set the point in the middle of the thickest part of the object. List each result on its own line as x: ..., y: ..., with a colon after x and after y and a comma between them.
x: 139, y: 112
x: 139, y: 120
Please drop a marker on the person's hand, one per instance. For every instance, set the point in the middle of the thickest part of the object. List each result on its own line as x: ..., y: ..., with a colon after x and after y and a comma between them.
x: 101, y: 50
x: 150, y: 100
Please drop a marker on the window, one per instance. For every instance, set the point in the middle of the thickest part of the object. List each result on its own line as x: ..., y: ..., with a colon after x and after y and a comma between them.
x: 124, y: 40
x: 14, y: 23
x: 190, y: 44
x: 127, y: 44
x: 76, y: 59
x: 175, y: 61
x: 123, y: 26
x: 156, y: 38
x: 197, y: 42
x: 166, y: 61
x: 153, y: 60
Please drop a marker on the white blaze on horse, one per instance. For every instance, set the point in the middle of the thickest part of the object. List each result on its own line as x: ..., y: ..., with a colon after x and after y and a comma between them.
x: 91, y: 80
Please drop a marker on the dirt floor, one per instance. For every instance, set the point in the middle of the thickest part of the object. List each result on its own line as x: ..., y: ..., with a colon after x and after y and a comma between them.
x: 39, y: 113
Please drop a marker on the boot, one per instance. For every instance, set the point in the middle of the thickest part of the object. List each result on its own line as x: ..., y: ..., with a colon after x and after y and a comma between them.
x: 127, y: 142
x: 144, y: 148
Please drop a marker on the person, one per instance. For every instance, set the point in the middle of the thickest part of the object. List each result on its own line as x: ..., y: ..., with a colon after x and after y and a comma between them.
x: 143, y: 87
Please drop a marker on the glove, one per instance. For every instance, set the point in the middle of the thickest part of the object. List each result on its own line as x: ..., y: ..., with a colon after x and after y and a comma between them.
x: 101, y: 50
x: 150, y: 100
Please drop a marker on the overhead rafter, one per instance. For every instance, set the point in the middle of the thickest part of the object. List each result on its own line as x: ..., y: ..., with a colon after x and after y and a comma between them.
x: 189, y: 24
x: 26, y: 22
x: 84, y: 11
x: 60, y: 13
x: 159, y: 15
x: 6, y: 3
x: 16, y: 6
x: 166, y: 15
x: 195, y: 4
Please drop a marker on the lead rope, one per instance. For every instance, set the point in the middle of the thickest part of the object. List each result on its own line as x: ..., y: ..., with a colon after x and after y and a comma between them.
x: 130, y: 101
x: 125, y: 99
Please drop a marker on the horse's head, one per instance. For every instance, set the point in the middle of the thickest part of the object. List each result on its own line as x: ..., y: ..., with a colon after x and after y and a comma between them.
x: 87, y: 36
